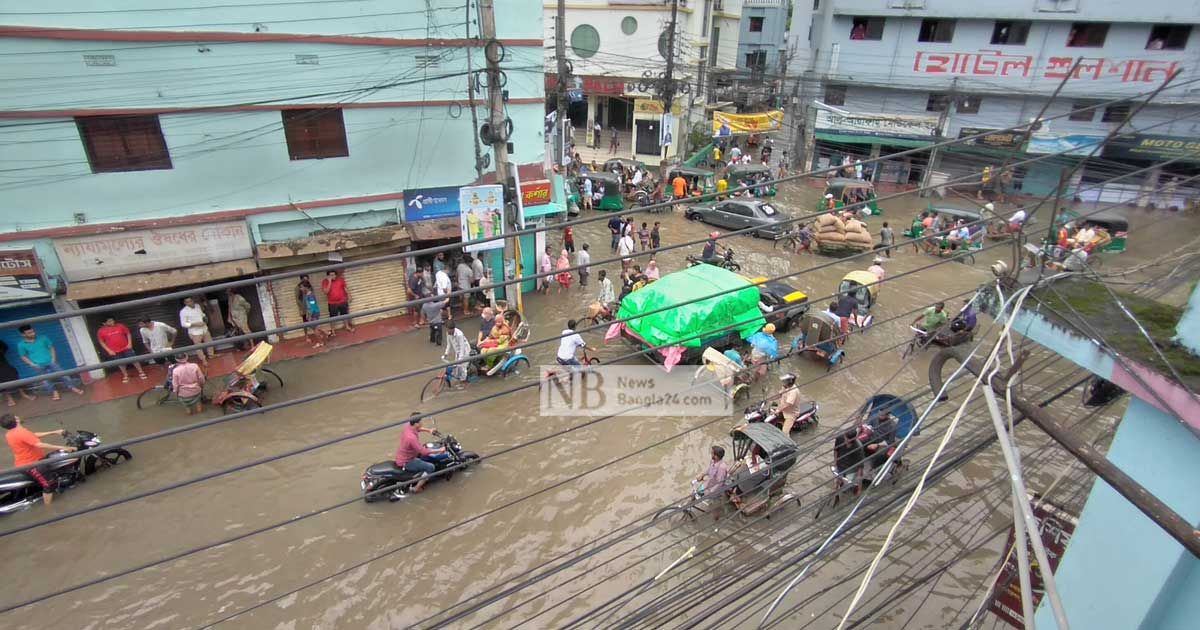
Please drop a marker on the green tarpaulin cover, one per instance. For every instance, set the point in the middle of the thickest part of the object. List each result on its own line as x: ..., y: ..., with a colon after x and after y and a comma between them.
x: 710, y: 315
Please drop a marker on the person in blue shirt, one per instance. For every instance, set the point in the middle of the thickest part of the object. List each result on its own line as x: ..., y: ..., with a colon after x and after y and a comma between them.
x: 965, y: 320
x: 39, y: 354
x: 763, y: 348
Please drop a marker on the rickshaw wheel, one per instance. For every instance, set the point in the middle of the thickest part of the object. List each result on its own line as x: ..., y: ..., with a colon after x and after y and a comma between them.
x: 156, y: 395
x: 674, y: 516
x: 278, y: 379
x: 238, y: 404
x: 515, y: 366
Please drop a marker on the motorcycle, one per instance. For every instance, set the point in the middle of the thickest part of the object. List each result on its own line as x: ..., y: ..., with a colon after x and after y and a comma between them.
x: 387, y: 480
x: 726, y: 261
x: 63, y: 469
x: 766, y: 412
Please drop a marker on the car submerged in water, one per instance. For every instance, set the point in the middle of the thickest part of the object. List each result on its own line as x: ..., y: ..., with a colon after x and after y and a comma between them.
x: 740, y: 213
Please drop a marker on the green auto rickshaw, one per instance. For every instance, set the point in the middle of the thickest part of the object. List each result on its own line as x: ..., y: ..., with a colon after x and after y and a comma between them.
x: 607, y: 186
x: 703, y: 178
x: 746, y: 174
x: 847, y: 191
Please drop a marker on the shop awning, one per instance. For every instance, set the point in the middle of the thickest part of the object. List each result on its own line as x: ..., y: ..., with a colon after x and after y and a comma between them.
x: 141, y: 282
x: 545, y: 209
x: 435, y: 229
x: 848, y: 138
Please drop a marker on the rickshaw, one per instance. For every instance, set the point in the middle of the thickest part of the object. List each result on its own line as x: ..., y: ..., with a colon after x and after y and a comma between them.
x: 864, y: 286
x: 762, y: 458
x: 819, y: 334
x: 612, y: 199
x: 612, y: 164
x: 1114, y: 222
x: 847, y: 191
x: 694, y: 175
x: 244, y: 388
x: 753, y: 172
x: 976, y: 218
x: 728, y: 370
x: 884, y: 420
x: 512, y: 359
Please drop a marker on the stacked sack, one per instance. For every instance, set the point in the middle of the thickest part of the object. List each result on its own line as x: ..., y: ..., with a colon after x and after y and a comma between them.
x: 857, y: 236
x: 831, y: 230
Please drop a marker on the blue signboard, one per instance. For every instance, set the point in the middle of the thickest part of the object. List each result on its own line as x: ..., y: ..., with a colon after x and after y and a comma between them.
x: 423, y: 204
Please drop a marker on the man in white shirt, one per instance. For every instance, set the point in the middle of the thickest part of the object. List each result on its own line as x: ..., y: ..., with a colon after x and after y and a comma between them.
x: 441, y: 282
x: 457, y: 349
x: 637, y: 177
x: 583, y: 260
x: 1016, y: 221
x: 158, y: 337
x: 1084, y: 236
x: 569, y: 343
x: 625, y: 248
x: 193, y: 319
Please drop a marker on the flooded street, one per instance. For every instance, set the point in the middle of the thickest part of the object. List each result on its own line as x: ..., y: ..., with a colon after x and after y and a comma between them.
x: 504, y: 538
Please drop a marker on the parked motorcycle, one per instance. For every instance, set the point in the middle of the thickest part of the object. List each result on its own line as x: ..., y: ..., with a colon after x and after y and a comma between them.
x: 725, y: 261
x: 63, y: 469
x: 386, y: 480
x: 766, y: 412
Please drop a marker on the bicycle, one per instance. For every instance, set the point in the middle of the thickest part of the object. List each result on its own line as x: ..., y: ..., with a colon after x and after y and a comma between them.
x: 602, y: 317
x: 162, y: 395
x: 557, y: 372
x: 442, y: 381
x: 794, y: 243
x: 919, y: 340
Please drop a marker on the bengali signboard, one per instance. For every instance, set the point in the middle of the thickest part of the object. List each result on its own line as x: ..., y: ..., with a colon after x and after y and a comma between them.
x: 1144, y: 146
x: 481, y: 215
x: 1057, y: 526
x: 890, y: 126
x: 140, y: 251
x: 21, y: 276
x: 994, y: 138
x: 996, y: 64
x: 535, y: 193
x: 747, y: 123
x: 424, y: 204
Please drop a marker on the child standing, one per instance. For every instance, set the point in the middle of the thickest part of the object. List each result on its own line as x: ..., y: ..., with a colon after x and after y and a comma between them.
x: 655, y: 236
x: 644, y: 237
x: 569, y: 239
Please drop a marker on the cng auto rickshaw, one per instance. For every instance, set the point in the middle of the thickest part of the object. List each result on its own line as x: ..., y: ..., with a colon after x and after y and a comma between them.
x: 762, y: 458
x: 847, y: 191
x: 695, y: 176
x: 606, y: 183
x: 740, y: 173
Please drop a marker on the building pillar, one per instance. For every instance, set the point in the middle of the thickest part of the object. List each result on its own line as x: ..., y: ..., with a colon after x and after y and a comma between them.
x: 78, y: 338
x: 1147, y: 194
x: 876, y: 150
x: 266, y: 304
x: 591, y: 120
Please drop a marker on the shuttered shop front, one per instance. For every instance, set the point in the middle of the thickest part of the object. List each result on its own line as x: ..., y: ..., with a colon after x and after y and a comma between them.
x: 373, y: 286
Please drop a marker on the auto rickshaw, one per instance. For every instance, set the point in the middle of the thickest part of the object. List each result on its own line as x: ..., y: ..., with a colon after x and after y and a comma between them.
x: 613, y: 164
x: 739, y: 173
x: 244, y: 388
x: 847, y: 191
x: 819, y: 334
x: 762, y: 458
x: 1114, y: 222
x: 695, y: 176
x: 864, y: 286
x: 612, y: 198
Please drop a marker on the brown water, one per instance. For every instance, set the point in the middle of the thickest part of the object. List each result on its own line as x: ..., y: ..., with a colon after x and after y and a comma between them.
x: 437, y: 571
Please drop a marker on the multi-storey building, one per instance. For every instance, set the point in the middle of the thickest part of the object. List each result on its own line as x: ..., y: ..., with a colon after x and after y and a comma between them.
x: 617, y: 49
x: 899, y: 74
x: 762, y: 58
x: 151, y: 149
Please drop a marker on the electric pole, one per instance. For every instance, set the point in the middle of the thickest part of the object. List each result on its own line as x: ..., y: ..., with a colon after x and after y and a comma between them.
x: 560, y: 54
x: 499, y: 127
x: 669, y: 82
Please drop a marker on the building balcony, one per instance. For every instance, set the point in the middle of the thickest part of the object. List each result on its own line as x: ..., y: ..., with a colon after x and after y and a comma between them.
x: 751, y: 4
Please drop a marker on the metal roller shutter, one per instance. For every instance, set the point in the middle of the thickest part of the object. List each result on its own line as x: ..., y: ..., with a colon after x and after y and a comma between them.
x: 371, y: 286
x: 53, y: 330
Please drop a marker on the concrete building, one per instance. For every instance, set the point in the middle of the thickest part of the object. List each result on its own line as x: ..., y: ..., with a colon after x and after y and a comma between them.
x: 762, y: 59
x: 151, y: 149
x: 902, y: 73
x: 618, y: 48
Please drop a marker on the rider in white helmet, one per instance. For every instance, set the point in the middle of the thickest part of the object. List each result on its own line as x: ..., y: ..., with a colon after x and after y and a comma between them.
x: 789, y: 401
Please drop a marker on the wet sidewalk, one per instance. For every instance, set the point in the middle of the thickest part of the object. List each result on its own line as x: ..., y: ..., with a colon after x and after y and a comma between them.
x: 111, y: 387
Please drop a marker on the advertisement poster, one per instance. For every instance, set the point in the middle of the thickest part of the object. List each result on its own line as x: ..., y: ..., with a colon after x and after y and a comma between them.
x: 423, y: 204
x: 747, y: 123
x: 481, y: 216
x: 668, y: 123
x: 1057, y: 526
x: 882, y: 125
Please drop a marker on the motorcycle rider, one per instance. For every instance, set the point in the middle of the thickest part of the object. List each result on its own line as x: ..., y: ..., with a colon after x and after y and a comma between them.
x: 710, y: 248
x: 789, y: 401
x: 412, y: 455
x: 28, y: 448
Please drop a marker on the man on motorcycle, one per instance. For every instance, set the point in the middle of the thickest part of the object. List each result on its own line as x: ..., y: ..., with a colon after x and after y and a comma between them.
x: 710, y: 248
x: 28, y: 448
x: 789, y: 401
x: 412, y: 455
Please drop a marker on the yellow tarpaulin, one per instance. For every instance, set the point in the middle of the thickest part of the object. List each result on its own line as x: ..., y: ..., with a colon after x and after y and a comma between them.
x: 748, y: 123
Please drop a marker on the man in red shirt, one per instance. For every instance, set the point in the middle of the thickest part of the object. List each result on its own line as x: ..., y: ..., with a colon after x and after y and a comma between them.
x: 28, y: 448
x: 411, y: 454
x: 117, y: 343
x: 337, y: 296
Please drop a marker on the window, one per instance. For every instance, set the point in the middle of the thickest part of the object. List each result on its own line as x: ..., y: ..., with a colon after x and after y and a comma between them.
x: 629, y: 25
x: 835, y: 95
x: 585, y: 41
x: 816, y: 5
x: 866, y: 28
x: 1115, y: 113
x: 756, y: 24
x: 937, y: 102
x: 940, y: 31
x: 123, y: 143
x: 756, y: 59
x: 1168, y: 37
x: 1087, y: 35
x: 314, y: 133
x: 714, y: 41
x: 1010, y: 33
x: 969, y: 104
x: 1081, y: 113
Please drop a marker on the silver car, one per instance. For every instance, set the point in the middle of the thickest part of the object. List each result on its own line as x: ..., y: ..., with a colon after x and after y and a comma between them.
x: 741, y: 213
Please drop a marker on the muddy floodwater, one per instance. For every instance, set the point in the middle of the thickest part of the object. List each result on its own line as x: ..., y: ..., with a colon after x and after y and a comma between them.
x: 433, y: 570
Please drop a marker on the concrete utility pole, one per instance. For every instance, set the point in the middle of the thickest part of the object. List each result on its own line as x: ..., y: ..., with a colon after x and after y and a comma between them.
x: 943, y: 125
x: 560, y: 54
x: 493, y: 52
x: 669, y: 82
x: 471, y: 96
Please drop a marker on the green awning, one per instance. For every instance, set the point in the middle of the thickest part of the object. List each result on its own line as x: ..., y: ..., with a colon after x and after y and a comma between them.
x: 846, y: 138
x: 544, y: 210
